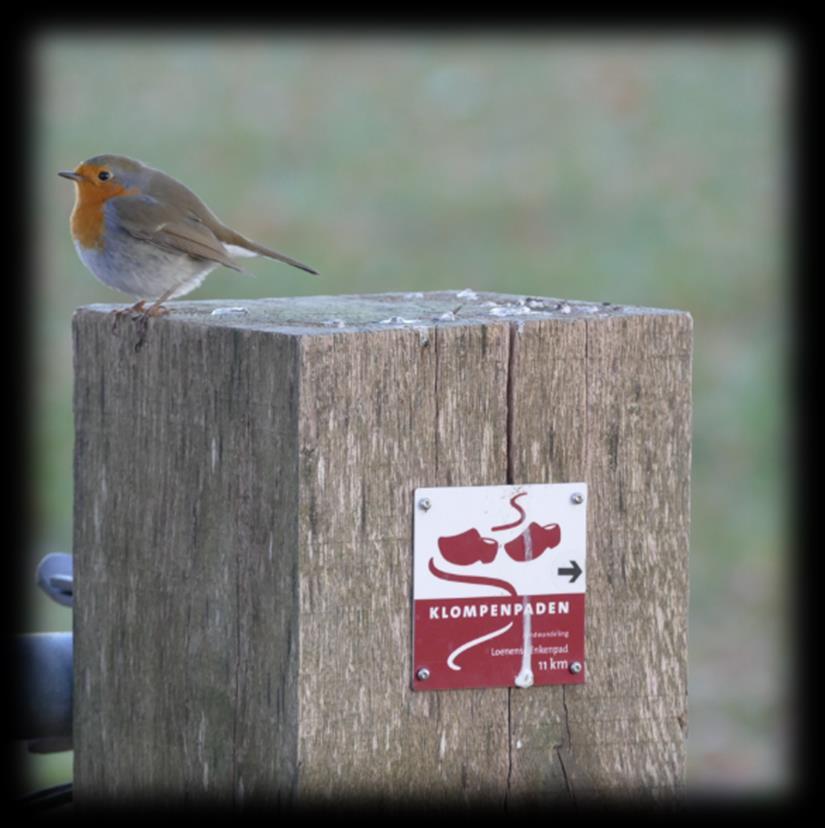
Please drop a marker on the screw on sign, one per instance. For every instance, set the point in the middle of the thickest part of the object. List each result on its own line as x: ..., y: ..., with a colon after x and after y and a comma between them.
x: 499, y: 586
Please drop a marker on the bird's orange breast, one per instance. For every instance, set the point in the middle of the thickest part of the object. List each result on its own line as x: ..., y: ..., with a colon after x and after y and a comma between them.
x: 87, y: 221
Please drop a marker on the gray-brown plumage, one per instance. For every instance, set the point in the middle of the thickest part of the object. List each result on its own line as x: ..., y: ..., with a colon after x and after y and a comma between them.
x: 145, y: 233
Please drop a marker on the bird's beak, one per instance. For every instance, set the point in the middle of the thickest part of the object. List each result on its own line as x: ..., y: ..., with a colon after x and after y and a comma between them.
x: 72, y: 175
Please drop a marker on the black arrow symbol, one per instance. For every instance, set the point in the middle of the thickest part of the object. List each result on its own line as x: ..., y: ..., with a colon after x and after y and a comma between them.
x: 574, y: 570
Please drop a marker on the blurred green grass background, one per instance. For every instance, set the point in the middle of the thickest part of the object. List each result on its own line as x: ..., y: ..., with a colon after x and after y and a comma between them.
x: 640, y: 170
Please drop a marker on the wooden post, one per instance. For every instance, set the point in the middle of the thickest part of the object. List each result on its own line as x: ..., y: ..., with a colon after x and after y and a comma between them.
x: 244, y: 477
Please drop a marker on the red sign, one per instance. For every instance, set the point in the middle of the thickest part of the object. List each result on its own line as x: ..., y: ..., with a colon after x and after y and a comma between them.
x: 501, y: 603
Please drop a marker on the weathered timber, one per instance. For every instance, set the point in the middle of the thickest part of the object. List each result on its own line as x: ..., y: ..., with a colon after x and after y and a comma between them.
x: 244, y: 477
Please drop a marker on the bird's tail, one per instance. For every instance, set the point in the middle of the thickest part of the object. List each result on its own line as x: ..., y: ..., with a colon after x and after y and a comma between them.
x: 247, y: 247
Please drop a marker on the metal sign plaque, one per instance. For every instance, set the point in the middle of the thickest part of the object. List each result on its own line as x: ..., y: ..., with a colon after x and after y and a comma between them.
x: 499, y: 585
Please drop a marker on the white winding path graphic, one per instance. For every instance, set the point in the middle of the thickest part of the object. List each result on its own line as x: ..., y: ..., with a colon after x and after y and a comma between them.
x: 466, y: 646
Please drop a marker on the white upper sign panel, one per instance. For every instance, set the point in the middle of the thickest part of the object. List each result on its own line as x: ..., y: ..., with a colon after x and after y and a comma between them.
x: 468, y: 540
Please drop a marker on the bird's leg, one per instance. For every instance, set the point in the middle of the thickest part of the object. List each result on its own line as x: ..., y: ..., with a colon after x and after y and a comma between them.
x: 157, y: 308
x: 132, y: 309
x: 119, y: 313
x: 142, y: 314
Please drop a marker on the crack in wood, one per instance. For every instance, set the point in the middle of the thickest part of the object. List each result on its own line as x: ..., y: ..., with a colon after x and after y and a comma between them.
x: 511, y: 356
x: 509, y: 749
x: 511, y: 348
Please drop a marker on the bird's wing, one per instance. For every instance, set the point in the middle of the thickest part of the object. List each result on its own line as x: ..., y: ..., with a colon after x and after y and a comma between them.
x: 179, y: 231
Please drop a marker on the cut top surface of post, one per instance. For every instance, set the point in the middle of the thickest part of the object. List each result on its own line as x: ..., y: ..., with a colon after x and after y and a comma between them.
x: 303, y: 315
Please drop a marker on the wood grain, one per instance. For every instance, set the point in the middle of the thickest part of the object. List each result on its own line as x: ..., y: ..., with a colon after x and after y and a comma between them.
x: 243, y: 542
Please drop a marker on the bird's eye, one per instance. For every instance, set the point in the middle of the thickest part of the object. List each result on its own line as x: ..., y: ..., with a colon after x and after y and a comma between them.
x: 104, y: 175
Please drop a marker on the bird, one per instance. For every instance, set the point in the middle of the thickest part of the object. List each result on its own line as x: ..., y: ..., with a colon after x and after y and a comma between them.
x: 146, y: 234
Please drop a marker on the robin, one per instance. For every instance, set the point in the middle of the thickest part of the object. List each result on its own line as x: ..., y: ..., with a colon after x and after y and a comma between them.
x: 144, y: 233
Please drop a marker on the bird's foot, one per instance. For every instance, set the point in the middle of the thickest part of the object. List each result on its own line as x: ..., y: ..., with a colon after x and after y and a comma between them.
x: 132, y: 310
x: 143, y: 320
x: 140, y: 309
x: 141, y: 314
x: 156, y: 310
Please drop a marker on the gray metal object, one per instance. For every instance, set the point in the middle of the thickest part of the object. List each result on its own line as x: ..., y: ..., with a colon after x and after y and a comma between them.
x: 55, y: 577
x: 43, y: 709
x: 43, y: 662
